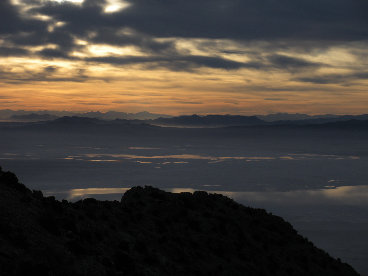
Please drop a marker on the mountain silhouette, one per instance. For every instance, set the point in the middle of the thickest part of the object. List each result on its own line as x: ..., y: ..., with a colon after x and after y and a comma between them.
x: 149, y: 232
x: 209, y: 121
x: 33, y: 117
x: 42, y: 115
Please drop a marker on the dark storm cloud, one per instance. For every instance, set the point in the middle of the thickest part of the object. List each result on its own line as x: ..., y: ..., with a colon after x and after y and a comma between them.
x: 252, y: 19
x: 52, y: 53
x: 146, y: 43
x: 89, y: 18
x: 21, y: 29
x: 80, y: 18
x: 303, y: 22
x: 50, y: 69
x: 11, y: 21
x: 335, y: 78
x: 46, y: 73
x: 62, y: 39
x: 291, y: 63
x: 12, y: 51
x: 176, y: 62
x: 233, y: 19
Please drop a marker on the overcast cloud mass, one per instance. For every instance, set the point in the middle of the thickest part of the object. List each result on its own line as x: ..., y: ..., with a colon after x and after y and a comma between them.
x: 226, y: 54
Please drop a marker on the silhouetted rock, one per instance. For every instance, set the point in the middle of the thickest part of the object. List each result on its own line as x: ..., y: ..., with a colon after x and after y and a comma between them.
x: 149, y: 232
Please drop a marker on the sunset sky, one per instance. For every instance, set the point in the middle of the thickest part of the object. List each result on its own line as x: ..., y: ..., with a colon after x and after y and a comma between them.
x: 185, y: 56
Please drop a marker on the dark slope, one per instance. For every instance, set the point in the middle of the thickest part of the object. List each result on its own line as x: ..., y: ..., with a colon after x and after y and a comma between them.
x: 150, y: 232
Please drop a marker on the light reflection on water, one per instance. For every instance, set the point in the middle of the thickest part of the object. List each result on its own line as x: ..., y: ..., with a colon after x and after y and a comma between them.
x: 348, y: 195
x: 74, y: 193
x: 182, y: 156
x: 216, y: 159
x: 143, y: 148
x: 114, y: 157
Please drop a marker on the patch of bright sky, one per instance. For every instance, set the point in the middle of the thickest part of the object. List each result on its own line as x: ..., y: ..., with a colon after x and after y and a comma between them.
x: 40, y: 48
x: 115, y: 6
x: 187, y: 46
x: 336, y: 56
x: 211, y: 47
x: 107, y: 50
x: 73, y: 1
x: 33, y: 63
x: 58, y: 24
x: 111, y: 6
x: 23, y: 66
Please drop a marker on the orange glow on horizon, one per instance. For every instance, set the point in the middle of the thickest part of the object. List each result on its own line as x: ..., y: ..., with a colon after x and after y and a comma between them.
x: 31, y: 83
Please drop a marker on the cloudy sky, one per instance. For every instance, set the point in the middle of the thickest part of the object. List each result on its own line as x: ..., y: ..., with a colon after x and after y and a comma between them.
x: 182, y: 57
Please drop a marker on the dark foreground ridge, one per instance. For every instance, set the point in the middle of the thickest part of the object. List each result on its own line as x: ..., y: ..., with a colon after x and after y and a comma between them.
x: 149, y: 232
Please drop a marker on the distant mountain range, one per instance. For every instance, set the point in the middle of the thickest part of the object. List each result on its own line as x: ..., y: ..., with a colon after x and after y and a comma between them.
x: 178, y: 121
x: 309, y: 119
x: 294, y: 117
x: 34, y: 117
x: 46, y: 115
x: 208, y: 121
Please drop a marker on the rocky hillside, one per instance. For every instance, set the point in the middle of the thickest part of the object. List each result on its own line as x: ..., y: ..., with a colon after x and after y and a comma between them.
x: 149, y: 232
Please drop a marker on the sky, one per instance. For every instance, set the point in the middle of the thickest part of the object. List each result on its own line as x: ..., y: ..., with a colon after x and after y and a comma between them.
x: 183, y: 57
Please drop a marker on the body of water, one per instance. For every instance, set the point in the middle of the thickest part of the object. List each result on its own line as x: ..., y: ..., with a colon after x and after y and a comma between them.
x: 316, y: 181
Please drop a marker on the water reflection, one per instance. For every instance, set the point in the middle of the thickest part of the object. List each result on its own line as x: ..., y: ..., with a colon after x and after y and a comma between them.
x: 76, y: 193
x: 181, y: 190
x: 217, y: 159
x: 331, y: 195
x: 111, y: 157
x: 347, y: 195
x: 212, y: 159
